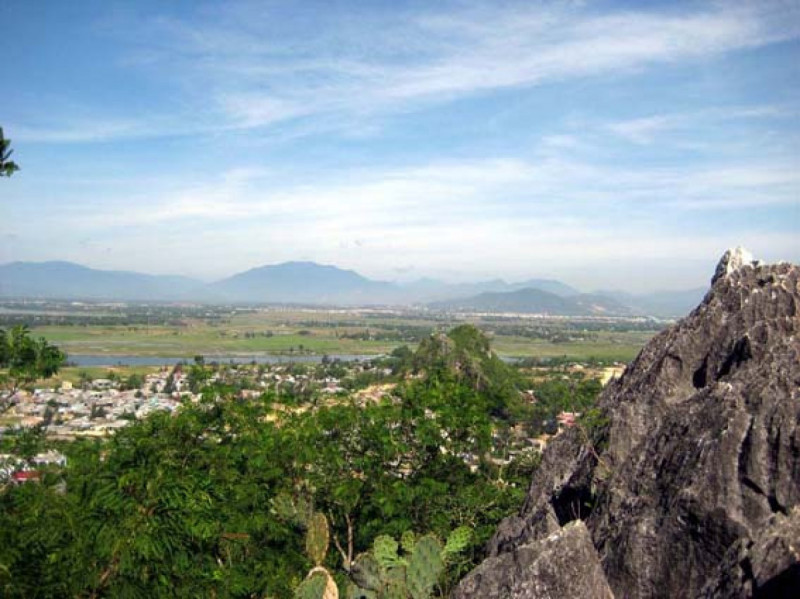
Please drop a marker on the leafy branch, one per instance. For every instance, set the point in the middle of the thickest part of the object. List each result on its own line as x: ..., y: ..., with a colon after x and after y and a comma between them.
x: 7, y: 167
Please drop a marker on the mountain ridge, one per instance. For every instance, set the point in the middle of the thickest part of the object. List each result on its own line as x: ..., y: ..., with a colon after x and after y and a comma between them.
x: 294, y: 282
x: 302, y: 282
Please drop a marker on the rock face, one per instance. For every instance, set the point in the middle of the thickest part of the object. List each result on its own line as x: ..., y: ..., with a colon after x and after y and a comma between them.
x: 689, y: 481
x: 563, y: 564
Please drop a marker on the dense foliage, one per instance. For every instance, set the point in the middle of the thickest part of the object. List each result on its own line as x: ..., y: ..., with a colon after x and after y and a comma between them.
x: 24, y: 359
x: 188, y: 503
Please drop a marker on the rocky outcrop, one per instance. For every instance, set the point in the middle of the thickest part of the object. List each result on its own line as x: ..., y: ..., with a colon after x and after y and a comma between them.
x: 563, y: 564
x: 689, y: 481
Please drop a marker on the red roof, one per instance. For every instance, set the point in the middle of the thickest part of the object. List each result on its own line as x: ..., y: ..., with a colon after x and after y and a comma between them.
x: 25, y: 475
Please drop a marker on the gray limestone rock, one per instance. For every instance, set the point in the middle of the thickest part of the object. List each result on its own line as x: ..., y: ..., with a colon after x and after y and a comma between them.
x: 765, y: 567
x: 562, y: 564
x: 691, y: 486
x: 732, y: 260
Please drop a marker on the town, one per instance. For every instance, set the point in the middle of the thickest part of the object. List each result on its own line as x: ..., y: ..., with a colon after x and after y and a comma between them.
x: 98, y: 407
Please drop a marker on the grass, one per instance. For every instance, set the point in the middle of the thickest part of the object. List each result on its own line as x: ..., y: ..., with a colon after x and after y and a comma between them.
x: 169, y: 341
x: 616, y: 346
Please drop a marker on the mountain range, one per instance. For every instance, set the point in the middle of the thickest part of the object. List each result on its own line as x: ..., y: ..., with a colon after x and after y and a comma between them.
x: 316, y: 284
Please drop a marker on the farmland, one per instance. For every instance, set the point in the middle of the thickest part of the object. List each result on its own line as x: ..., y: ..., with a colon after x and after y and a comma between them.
x: 186, y: 331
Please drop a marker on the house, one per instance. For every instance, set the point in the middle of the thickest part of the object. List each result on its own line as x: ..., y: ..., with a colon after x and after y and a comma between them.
x: 102, y: 383
x: 50, y: 457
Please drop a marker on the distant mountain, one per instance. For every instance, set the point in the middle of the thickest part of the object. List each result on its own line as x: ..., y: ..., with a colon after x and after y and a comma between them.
x: 431, y: 290
x: 537, y: 301
x: 550, y: 285
x: 66, y: 280
x: 304, y: 283
x: 659, y: 303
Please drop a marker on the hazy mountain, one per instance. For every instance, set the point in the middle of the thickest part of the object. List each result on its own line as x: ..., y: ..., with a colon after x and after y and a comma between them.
x: 550, y: 285
x: 66, y: 280
x: 537, y: 301
x: 311, y: 283
x: 431, y: 290
x: 659, y: 303
x: 305, y: 282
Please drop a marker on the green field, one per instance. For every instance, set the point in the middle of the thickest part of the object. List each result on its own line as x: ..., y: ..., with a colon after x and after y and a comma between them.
x: 171, y: 341
x: 610, y: 346
x: 318, y: 332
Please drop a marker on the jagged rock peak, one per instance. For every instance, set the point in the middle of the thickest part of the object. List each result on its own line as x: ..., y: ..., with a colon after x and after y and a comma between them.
x: 690, y: 484
x: 731, y: 261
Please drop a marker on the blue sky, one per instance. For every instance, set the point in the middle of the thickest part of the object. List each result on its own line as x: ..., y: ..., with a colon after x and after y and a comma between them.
x: 607, y: 144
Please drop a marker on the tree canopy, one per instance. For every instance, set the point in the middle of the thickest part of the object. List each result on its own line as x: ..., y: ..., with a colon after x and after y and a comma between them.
x: 24, y: 360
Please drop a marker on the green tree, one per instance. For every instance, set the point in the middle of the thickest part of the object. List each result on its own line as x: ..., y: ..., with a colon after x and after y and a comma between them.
x: 198, y: 375
x: 134, y: 381
x: 24, y: 360
x: 84, y: 380
x: 7, y: 167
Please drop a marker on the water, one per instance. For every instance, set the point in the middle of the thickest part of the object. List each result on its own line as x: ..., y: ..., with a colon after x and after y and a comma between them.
x: 124, y: 360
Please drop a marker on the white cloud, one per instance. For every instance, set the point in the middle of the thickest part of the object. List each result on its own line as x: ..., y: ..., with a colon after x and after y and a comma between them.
x: 589, y: 223
x: 639, y: 256
x: 442, y: 214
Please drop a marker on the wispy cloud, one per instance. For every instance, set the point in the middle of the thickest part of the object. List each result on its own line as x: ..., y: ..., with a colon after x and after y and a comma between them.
x: 486, y: 49
x: 78, y: 131
x: 243, y: 68
x: 645, y: 130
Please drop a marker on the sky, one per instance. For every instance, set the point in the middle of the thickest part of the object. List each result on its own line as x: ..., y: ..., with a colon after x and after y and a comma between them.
x: 606, y: 144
